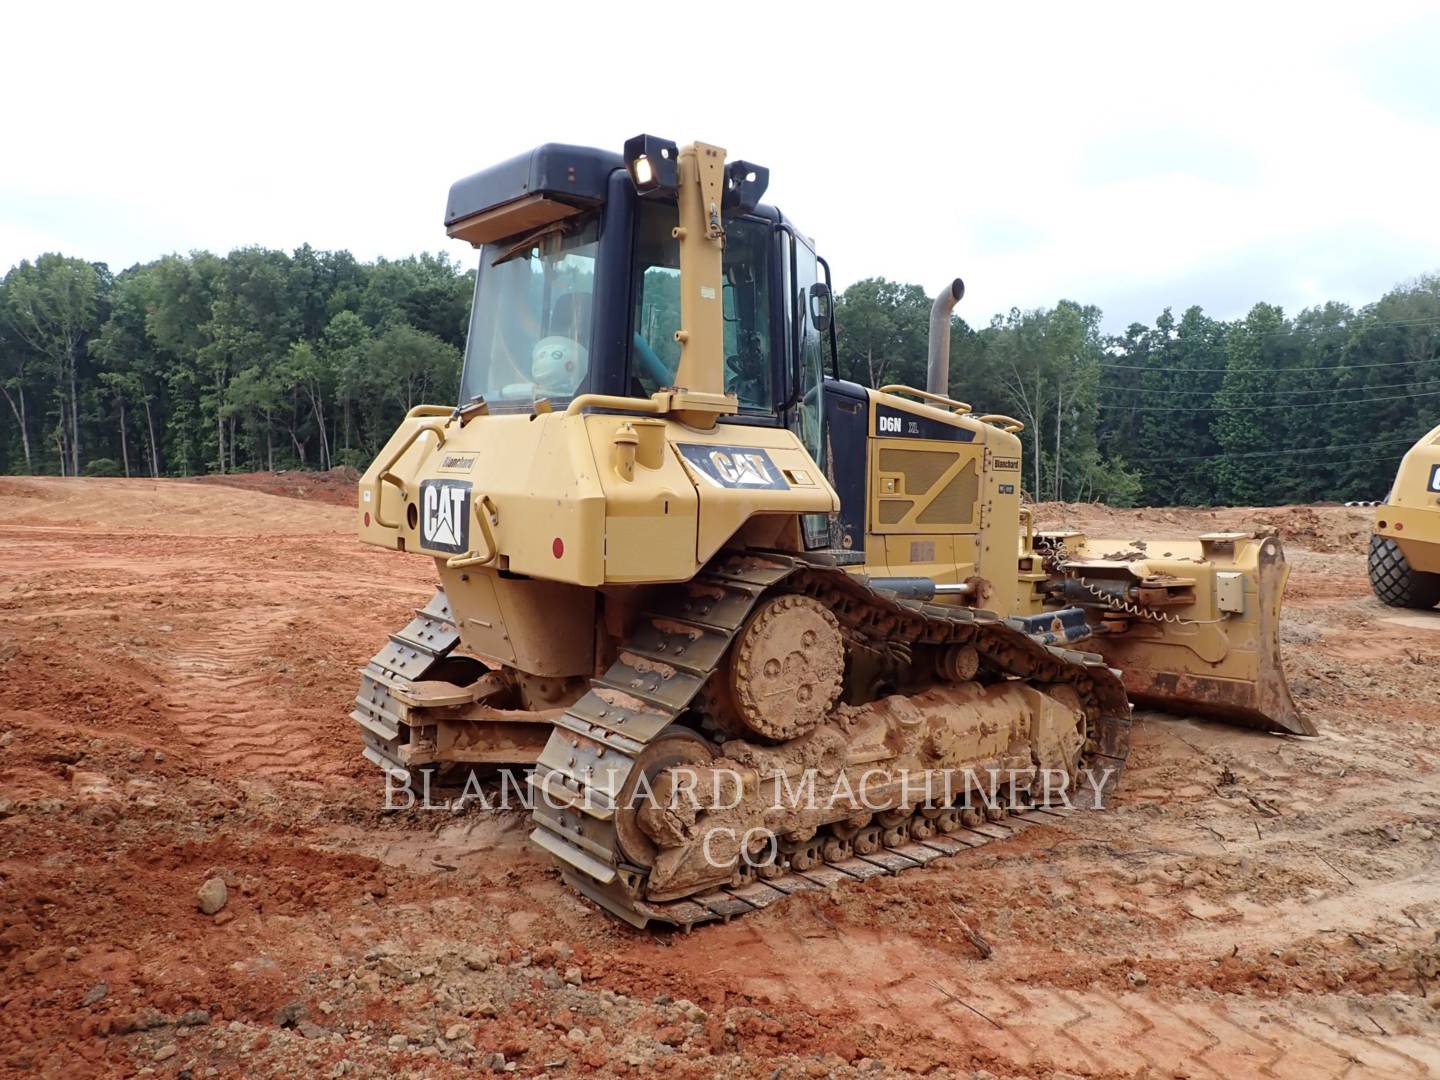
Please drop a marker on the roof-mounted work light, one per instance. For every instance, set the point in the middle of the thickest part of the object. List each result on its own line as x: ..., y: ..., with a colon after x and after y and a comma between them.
x: 651, y: 163
x: 745, y: 184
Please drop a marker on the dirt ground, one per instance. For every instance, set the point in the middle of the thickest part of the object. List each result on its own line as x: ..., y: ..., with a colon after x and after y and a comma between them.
x: 176, y: 665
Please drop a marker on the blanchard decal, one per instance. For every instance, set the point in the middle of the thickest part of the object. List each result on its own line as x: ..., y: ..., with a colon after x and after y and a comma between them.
x: 457, y: 463
x: 734, y: 466
x: 1435, y: 477
x: 1007, y: 464
x: 445, y: 515
x: 894, y: 423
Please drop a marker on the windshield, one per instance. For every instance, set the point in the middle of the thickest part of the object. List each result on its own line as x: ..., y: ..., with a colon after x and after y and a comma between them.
x: 654, y: 352
x: 530, y: 324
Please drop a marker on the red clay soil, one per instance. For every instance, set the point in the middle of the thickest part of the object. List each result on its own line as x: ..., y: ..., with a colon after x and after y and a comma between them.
x: 336, y: 486
x: 176, y: 664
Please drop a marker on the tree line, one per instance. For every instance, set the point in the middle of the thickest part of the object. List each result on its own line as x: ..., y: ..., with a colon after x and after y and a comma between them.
x: 191, y: 364
x: 262, y: 359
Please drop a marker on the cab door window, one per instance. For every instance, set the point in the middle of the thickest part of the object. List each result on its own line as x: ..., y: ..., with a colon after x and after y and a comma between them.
x: 748, y: 342
x: 809, y: 348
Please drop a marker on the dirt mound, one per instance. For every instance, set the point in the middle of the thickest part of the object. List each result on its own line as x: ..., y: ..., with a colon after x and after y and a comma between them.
x: 336, y: 487
x: 176, y: 666
x: 1319, y: 528
x: 1324, y: 528
x: 170, y: 508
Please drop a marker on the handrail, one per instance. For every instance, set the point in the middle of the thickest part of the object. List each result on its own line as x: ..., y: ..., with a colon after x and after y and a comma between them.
x: 925, y: 395
x: 1008, y: 423
x: 485, y: 513
x: 429, y: 410
x: 385, y: 476
x: 612, y: 401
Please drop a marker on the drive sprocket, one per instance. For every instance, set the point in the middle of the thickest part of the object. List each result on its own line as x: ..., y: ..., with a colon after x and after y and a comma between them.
x: 788, y: 667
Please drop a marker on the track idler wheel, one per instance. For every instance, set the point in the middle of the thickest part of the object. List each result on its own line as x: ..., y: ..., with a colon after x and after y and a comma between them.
x: 788, y: 662
x: 674, y: 746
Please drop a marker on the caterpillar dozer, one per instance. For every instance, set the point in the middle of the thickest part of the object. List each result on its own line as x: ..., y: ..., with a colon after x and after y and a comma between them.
x: 1405, y: 546
x: 677, y: 550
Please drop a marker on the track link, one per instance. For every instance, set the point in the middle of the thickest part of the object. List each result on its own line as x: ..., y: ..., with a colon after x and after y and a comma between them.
x: 681, y: 641
x: 410, y: 654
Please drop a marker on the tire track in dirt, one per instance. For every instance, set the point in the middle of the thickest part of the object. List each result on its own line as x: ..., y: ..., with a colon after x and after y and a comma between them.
x: 899, y: 982
x: 219, y: 697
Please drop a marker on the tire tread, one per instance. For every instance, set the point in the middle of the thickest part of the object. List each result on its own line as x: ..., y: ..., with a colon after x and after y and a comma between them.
x: 1395, y: 582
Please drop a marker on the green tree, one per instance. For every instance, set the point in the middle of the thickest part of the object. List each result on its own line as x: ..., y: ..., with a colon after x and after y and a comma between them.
x: 882, y: 332
x: 1240, y: 427
x: 126, y: 361
x: 345, y: 350
x: 417, y: 366
x: 309, y: 370
x: 18, y: 376
x: 55, y: 305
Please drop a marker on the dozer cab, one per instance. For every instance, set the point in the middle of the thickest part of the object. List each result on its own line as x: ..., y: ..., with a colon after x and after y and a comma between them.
x: 676, y: 550
x: 1404, y: 560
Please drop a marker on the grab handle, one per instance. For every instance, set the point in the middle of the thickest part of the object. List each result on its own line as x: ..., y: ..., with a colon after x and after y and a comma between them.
x: 925, y: 395
x: 485, y: 515
x: 385, y: 476
x: 1007, y: 423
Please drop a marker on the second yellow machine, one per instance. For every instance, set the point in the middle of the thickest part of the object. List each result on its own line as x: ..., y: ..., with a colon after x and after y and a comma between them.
x: 673, y: 542
x: 1405, y: 544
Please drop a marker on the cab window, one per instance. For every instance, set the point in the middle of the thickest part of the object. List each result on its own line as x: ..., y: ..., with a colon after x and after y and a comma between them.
x: 530, y: 322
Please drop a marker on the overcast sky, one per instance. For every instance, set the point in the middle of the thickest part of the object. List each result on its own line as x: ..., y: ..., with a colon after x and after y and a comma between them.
x: 1130, y: 157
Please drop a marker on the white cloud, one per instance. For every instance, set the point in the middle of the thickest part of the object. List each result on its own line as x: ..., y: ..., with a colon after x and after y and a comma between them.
x: 1079, y: 151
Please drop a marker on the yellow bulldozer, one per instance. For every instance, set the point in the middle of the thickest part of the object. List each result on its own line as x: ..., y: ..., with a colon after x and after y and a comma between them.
x: 678, y: 554
x: 1405, y: 546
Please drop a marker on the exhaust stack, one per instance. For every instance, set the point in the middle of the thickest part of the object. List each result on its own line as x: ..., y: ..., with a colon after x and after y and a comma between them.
x: 937, y: 378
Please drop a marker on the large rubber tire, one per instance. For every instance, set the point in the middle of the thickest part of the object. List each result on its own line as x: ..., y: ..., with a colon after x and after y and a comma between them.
x: 1395, y: 582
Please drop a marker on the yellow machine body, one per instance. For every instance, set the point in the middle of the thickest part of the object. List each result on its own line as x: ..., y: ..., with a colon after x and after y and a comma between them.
x: 1404, y: 561
x: 1192, y: 623
x: 1410, y: 516
x: 667, y: 541
x: 939, y: 507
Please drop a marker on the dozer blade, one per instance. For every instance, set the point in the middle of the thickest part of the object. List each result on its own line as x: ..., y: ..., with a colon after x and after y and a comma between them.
x: 1193, y: 625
